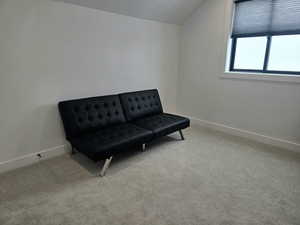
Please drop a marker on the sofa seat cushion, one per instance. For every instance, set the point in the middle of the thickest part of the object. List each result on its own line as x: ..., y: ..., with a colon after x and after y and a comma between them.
x: 163, y: 124
x: 111, y: 140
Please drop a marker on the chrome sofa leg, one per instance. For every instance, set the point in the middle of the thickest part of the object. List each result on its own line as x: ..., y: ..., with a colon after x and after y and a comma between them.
x: 144, y: 147
x: 105, y: 166
x: 181, y: 134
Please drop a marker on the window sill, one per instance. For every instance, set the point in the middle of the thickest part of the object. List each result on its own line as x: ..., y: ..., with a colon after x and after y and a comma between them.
x: 262, y: 77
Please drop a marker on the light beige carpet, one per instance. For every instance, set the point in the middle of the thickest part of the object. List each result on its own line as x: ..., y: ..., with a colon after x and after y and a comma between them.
x: 210, y: 179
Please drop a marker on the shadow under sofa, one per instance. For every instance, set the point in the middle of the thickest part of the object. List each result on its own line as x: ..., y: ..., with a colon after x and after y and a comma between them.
x: 104, y: 126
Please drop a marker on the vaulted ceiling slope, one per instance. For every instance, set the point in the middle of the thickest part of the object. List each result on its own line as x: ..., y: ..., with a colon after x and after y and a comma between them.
x: 167, y: 11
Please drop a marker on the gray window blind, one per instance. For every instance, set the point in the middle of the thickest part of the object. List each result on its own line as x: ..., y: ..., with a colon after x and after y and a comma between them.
x: 266, y: 17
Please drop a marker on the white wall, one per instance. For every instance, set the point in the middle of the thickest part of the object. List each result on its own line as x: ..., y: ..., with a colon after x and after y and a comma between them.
x: 264, y: 107
x: 51, y: 51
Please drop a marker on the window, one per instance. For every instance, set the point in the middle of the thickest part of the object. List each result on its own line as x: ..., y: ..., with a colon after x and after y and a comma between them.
x: 250, y: 53
x: 266, y: 37
x: 285, y: 53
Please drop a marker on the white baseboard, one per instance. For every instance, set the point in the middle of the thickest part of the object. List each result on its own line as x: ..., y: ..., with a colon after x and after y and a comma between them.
x: 32, y: 158
x: 62, y: 149
x: 247, y: 134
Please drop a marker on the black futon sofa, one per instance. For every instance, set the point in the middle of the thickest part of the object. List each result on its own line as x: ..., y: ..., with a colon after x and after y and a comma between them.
x: 101, y: 127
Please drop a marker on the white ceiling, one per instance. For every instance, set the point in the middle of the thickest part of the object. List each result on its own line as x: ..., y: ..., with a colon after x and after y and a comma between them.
x: 168, y: 11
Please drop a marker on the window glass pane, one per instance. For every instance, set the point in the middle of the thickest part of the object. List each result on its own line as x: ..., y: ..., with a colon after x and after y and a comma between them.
x: 250, y: 53
x: 285, y: 53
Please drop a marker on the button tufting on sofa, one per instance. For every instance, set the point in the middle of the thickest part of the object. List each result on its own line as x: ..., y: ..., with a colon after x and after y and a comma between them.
x: 100, y: 127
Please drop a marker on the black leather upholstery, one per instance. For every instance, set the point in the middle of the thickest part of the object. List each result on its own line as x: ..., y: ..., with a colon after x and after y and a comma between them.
x: 111, y: 140
x: 90, y: 114
x: 103, y: 126
x: 141, y: 103
x: 163, y: 124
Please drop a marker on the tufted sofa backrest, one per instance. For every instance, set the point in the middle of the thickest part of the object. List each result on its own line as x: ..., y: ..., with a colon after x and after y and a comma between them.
x: 90, y: 114
x: 141, y: 103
